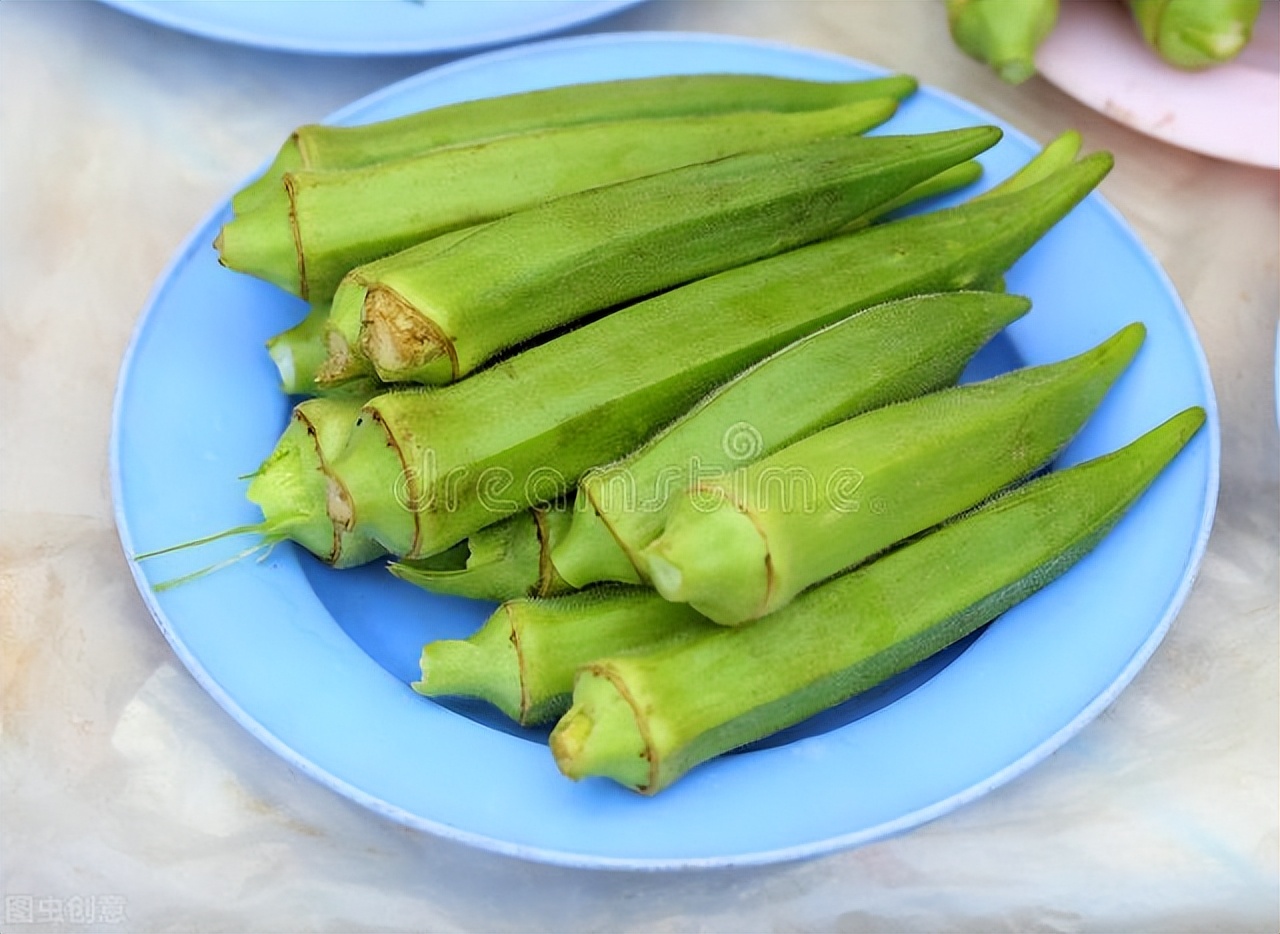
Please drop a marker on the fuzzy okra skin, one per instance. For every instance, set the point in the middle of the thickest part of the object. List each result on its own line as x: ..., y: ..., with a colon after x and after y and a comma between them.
x: 517, y: 550
x: 744, y: 545
x: 437, y: 319
x: 329, y: 148
x: 647, y: 718
x: 523, y: 659
x: 335, y: 221
x: 885, y: 354
x: 346, y: 361
x: 422, y: 471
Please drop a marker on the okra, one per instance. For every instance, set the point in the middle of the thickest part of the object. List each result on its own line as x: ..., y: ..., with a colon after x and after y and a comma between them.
x: 335, y: 221
x: 1196, y: 34
x: 423, y: 469
x: 645, y: 719
x: 292, y: 483
x: 347, y: 362
x: 744, y: 545
x: 523, y: 547
x: 323, y: 147
x: 301, y: 351
x: 523, y: 658
x: 504, y: 560
x: 1004, y: 34
x: 886, y: 354
x: 432, y: 316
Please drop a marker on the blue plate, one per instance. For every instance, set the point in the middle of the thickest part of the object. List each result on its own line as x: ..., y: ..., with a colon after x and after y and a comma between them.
x: 370, y: 27
x: 315, y: 663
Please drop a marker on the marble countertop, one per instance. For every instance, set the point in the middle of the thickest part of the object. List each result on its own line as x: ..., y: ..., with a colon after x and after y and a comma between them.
x: 131, y: 801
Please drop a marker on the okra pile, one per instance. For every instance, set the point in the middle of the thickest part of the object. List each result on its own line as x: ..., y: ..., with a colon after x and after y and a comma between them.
x: 659, y: 366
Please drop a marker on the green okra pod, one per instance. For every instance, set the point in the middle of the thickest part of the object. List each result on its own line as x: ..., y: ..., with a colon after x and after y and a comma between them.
x: 517, y: 550
x: 336, y: 221
x: 504, y: 560
x: 347, y: 363
x: 1002, y: 33
x: 884, y: 354
x: 645, y: 719
x: 523, y: 659
x: 322, y: 147
x: 744, y: 545
x: 293, y: 481
x: 1196, y: 34
x: 422, y: 471
x: 888, y: 353
x: 436, y: 317
x: 300, y: 352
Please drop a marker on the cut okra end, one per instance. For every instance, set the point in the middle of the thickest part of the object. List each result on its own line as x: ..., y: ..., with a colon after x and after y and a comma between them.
x: 600, y: 735
x: 261, y: 244
x: 712, y: 556
x: 487, y: 666
x: 402, y: 343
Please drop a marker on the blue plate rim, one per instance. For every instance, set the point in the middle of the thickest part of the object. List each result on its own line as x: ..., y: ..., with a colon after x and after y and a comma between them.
x: 568, y: 16
x: 826, y: 845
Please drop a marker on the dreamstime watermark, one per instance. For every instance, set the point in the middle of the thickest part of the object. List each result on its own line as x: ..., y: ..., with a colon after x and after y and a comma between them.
x: 737, y: 475
x: 70, y: 909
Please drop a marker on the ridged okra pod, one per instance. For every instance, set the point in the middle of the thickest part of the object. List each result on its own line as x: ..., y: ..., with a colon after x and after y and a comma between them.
x: 645, y: 719
x: 523, y: 547
x: 423, y: 471
x: 1196, y: 34
x: 436, y: 317
x: 523, y: 659
x: 322, y: 147
x: 335, y: 221
x: 886, y: 354
x: 744, y: 545
x: 346, y: 361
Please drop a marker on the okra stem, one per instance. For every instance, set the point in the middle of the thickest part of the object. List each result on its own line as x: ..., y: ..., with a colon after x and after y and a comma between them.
x: 1196, y: 34
x: 645, y: 719
x: 1002, y: 33
x: 743, y: 546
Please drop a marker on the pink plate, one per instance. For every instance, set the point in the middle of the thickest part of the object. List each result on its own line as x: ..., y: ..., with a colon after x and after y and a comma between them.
x: 1096, y: 54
